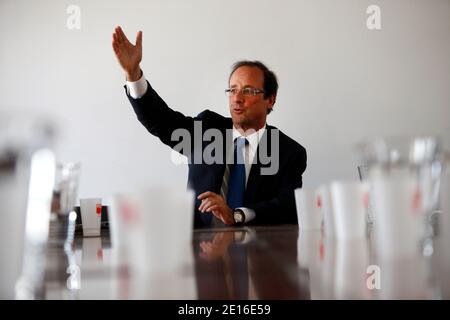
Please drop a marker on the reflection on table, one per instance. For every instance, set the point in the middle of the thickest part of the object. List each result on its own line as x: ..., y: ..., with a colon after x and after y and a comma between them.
x: 246, y: 263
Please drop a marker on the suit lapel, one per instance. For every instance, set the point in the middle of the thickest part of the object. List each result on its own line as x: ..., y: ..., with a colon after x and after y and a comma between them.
x: 252, y: 182
x: 255, y: 172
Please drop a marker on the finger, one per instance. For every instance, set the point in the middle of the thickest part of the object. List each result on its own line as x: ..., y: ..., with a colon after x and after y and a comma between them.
x: 217, y: 213
x: 211, y: 207
x: 202, y: 205
x: 206, y: 247
x: 205, y: 195
x: 122, y: 36
x: 117, y: 35
x: 116, y: 44
x: 119, y: 31
x: 114, y: 37
x: 139, y: 39
x: 224, y: 217
x: 116, y: 49
x: 228, y: 221
x: 219, y: 237
x: 205, y: 204
x: 217, y: 201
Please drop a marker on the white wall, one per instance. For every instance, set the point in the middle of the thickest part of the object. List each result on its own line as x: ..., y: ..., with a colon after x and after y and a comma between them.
x: 339, y: 82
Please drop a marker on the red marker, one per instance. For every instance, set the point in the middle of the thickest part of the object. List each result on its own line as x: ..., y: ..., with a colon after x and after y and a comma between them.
x: 365, y: 200
x: 321, y: 251
x: 98, y: 209
x: 319, y: 202
x: 416, y: 201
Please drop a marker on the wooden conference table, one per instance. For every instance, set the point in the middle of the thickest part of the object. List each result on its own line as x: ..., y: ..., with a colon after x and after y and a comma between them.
x: 278, y: 262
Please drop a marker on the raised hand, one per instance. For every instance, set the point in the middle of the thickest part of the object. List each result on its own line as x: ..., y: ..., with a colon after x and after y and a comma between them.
x: 128, y: 55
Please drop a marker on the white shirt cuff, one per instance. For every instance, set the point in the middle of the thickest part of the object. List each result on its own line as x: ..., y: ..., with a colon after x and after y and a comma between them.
x: 136, y: 89
x: 249, y: 214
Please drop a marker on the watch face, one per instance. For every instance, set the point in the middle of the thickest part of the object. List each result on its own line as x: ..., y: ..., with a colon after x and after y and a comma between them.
x: 238, y: 217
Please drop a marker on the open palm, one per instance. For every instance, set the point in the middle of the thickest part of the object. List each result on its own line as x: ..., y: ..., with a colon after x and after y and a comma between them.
x: 128, y: 55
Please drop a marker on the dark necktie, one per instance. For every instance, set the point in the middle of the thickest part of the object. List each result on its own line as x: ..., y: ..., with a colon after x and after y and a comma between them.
x: 236, y: 180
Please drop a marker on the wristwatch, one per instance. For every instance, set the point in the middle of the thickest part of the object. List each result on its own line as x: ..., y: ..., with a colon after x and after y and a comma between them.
x: 239, y: 217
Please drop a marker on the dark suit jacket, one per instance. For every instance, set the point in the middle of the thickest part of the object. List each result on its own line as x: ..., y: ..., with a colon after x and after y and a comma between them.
x: 270, y: 196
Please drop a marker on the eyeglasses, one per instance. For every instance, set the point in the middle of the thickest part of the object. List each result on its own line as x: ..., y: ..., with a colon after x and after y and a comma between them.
x: 246, y: 91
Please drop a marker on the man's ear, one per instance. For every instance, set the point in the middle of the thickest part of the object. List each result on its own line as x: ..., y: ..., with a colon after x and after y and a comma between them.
x: 272, y: 99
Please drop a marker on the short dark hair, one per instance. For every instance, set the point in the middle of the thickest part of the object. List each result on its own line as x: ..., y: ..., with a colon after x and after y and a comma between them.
x: 270, y: 79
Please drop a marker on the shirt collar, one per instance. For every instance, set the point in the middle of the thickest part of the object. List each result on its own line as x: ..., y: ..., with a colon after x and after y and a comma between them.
x: 253, y: 138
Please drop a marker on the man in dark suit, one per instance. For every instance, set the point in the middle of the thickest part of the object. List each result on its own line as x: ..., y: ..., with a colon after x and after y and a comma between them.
x: 255, y: 185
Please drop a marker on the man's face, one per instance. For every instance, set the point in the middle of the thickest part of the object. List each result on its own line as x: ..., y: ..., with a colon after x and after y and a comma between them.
x: 248, y: 112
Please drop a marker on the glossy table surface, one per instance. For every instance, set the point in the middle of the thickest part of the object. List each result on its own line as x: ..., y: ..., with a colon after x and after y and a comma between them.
x: 278, y: 262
